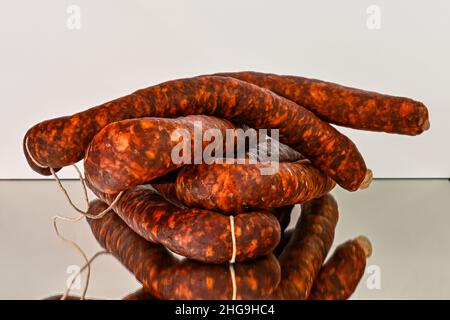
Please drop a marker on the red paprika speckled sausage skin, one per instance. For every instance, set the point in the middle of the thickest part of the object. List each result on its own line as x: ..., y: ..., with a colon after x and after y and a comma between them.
x: 345, y: 106
x: 235, y: 187
x: 302, y: 257
x: 165, y: 277
x: 168, y: 191
x: 131, y: 152
x: 197, y: 234
x: 59, y: 142
x: 339, y: 277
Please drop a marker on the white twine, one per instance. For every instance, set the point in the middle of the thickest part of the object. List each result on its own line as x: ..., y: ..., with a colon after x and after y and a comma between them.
x: 31, y: 157
x: 84, y: 213
x: 233, y: 281
x: 233, y: 240
x: 233, y: 259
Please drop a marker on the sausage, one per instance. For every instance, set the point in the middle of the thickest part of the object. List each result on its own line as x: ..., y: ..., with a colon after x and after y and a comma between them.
x: 269, y: 149
x: 62, y: 141
x: 166, y: 187
x: 303, y: 255
x: 166, y: 277
x: 339, y: 277
x: 131, y: 152
x: 235, y: 187
x: 197, y: 234
x: 345, y: 106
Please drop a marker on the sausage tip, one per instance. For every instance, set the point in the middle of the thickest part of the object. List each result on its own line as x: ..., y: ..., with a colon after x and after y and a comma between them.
x: 45, y: 171
x: 364, y: 243
x: 367, y: 180
x: 426, y: 125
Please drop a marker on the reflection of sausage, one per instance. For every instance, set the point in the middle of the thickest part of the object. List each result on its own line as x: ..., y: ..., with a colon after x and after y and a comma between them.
x: 303, y: 256
x: 234, y: 187
x: 166, y: 277
x: 139, y: 294
x: 59, y: 142
x: 198, y: 234
x: 128, y: 153
x: 345, y: 106
x: 339, y: 277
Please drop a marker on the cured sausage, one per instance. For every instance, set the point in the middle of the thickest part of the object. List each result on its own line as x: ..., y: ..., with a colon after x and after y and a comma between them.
x: 339, y: 277
x: 168, y: 191
x: 303, y: 255
x: 197, y: 234
x: 62, y: 141
x: 166, y: 277
x: 235, y: 187
x: 131, y: 152
x: 345, y: 106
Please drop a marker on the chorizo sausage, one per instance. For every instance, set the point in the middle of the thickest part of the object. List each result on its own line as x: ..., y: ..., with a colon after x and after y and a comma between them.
x: 131, y: 152
x: 345, y: 106
x: 62, y: 141
x: 235, y: 187
x: 303, y: 255
x: 166, y: 187
x: 197, y: 234
x: 339, y: 277
x: 166, y: 277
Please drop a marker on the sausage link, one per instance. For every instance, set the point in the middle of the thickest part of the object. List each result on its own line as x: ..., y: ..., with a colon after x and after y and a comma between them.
x: 197, y: 234
x: 339, y: 277
x: 59, y: 142
x: 167, y: 189
x: 131, y: 152
x: 166, y: 277
x: 345, y: 106
x: 235, y: 187
x: 307, y: 248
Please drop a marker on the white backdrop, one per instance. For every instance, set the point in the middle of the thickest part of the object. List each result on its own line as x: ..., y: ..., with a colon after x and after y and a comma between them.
x: 49, y: 69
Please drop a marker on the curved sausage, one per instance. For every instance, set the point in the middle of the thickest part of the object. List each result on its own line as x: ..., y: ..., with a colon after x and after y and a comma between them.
x: 339, y: 277
x: 303, y: 255
x: 166, y: 277
x: 197, y: 234
x: 235, y: 187
x: 345, y: 106
x: 62, y: 141
x: 131, y: 152
x: 168, y: 191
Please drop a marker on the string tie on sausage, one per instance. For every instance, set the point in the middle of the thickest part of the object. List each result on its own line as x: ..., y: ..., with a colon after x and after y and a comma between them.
x: 233, y: 240
x: 84, y: 213
x: 31, y: 156
x: 233, y: 259
x: 233, y: 281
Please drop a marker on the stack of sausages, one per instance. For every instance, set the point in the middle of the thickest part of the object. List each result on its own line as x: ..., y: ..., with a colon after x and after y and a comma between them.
x: 127, y: 145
